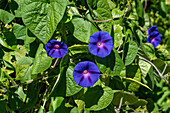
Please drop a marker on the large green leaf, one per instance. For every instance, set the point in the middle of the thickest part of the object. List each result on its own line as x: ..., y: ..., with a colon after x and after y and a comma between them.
x: 83, y: 29
x: 97, y: 98
x: 112, y: 64
x: 71, y: 86
x: 130, y: 52
x: 5, y: 16
x: 43, y: 16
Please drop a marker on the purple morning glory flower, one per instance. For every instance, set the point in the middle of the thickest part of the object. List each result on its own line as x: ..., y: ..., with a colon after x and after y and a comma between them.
x: 56, y: 49
x: 86, y: 73
x: 100, y: 44
x: 153, y: 28
x: 154, y: 38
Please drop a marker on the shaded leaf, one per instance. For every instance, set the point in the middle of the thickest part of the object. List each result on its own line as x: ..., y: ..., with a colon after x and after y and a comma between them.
x: 130, y: 52
x: 128, y: 98
x: 112, y: 64
x: 97, y: 98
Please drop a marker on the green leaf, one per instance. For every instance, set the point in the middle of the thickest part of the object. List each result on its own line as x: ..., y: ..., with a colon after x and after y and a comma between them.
x: 150, y: 51
x: 42, y: 17
x: 19, y: 32
x: 71, y: 86
x: 5, y: 16
x: 98, y: 3
x: 20, y: 72
x: 128, y: 98
x: 101, y: 11
x: 74, y: 110
x: 111, y: 4
x: 19, y: 10
x: 163, y: 6
x: 4, y: 43
x: 80, y: 103
x: 117, y: 35
x: 116, y: 13
x: 57, y: 105
x: 116, y: 83
x: 130, y: 52
x: 144, y: 67
x: 112, y: 64
x: 83, y: 29
x: 41, y: 62
x: 25, y: 61
x: 41, y: 110
x: 139, y: 8
x: 160, y: 65
x: 133, y: 72
x: 151, y: 82
x: 102, y: 14
x: 141, y: 102
x: 97, y: 98
x: 150, y: 106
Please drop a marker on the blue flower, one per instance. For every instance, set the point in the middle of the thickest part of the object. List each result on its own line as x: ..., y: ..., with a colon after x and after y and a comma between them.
x: 153, y: 28
x: 56, y: 49
x: 100, y: 44
x: 86, y: 73
x: 154, y: 38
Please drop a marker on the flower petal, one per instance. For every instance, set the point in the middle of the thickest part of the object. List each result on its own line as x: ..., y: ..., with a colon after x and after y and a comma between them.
x: 153, y: 28
x: 93, y: 48
x: 154, y: 38
x: 92, y: 67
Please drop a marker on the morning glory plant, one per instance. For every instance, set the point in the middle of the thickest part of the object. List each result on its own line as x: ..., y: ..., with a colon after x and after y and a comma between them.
x: 56, y: 49
x: 100, y: 44
x: 154, y: 36
x: 86, y: 73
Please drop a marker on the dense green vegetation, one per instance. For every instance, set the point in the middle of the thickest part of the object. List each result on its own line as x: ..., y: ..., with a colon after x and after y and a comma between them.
x: 134, y: 77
